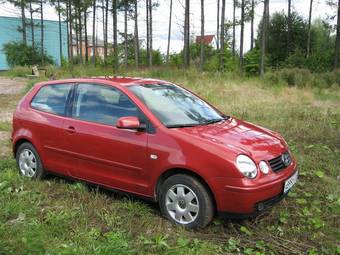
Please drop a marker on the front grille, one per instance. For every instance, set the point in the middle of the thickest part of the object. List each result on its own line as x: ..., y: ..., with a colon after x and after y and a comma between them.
x: 280, y: 162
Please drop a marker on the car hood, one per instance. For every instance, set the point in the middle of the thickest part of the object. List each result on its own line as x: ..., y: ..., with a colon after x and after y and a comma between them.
x: 239, y: 136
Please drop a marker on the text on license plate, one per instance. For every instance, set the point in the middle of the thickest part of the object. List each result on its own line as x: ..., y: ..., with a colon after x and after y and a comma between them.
x: 290, y: 182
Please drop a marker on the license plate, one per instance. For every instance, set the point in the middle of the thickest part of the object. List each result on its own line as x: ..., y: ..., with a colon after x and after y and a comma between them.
x: 290, y: 182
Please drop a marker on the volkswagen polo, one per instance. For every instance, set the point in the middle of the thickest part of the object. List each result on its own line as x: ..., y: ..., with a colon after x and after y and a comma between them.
x: 153, y: 139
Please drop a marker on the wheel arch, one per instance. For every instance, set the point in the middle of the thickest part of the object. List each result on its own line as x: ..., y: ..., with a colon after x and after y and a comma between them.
x: 19, y: 142
x: 170, y: 172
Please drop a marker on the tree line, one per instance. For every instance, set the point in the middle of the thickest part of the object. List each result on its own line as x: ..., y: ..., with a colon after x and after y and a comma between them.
x: 283, y: 38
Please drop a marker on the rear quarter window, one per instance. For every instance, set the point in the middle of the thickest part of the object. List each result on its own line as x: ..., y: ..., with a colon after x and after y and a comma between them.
x: 52, y: 98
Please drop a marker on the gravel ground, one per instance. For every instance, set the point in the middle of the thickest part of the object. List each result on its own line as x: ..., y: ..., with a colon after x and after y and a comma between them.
x: 10, y: 90
x: 11, y: 86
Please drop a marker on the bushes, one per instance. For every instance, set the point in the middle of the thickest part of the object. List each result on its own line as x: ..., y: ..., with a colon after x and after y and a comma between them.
x: 300, y: 77
x: 18, y: 71
x: 252, y: 62
x: 295, y: 76
x: 176, y: 59
x: 157, y: 58
x: 316, y: 62
x: 20, y: 54
x: 211, y: 58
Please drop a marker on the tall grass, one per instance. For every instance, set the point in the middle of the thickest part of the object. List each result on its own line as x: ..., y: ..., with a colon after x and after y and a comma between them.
x: 285, y: 77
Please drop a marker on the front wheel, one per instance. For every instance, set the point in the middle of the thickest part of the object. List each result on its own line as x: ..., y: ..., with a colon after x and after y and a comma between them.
x: 186, y: 201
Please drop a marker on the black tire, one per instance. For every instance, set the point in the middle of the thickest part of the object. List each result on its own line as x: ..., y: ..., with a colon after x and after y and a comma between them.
x: 39, y: 170
x: 205, y: 201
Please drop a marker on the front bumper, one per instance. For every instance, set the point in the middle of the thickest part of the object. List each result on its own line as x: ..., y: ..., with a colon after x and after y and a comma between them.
x: 244, y: 198
x: 258, y: 208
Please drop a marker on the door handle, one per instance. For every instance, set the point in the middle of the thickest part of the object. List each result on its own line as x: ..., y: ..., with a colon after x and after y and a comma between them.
x: 70, y: 130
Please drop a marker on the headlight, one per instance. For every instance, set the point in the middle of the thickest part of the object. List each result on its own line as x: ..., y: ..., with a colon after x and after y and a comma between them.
x: 264, y: 167
x: 246, y: 166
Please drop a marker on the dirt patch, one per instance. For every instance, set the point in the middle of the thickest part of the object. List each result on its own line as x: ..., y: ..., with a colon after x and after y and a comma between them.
x: 12, y: 86
x: 4, y: 135
x: 6, y: 116
x: 10, y: 90
x: 4, y: 143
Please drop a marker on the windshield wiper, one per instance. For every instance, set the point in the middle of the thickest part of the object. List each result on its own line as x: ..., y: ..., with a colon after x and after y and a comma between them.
x: 212, y: 121
x: 182, y: 125
x: 207, y: 122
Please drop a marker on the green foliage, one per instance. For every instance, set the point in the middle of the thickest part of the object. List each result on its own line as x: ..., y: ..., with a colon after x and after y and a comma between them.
x: 176, y: 59
x: 316, y: 62
x: 321, y: 55
x: 195, y: 52
x: 320, y: 61
x: 211, y: 58
x: 301, y: 77
x: 322, y: 39
x: 157, y: 57
x: 296, y: 59
x: 17, y: 71
x: 230, y: 62
x: 64, y: 63
x: 19, y: 54
x: 252, y: 62
x: 277, y: 36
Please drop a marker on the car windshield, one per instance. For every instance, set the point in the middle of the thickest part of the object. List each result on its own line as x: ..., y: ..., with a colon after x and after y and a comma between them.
x: 174, y: 106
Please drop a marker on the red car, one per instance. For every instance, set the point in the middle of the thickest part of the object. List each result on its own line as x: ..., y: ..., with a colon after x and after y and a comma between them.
x: 153, y: 139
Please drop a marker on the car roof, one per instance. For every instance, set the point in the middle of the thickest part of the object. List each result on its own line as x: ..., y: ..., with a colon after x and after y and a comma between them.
x: 113, y: 80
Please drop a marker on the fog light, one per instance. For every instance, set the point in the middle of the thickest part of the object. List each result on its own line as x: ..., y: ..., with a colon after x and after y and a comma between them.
x: 264, y: 167
x: 260, y: 206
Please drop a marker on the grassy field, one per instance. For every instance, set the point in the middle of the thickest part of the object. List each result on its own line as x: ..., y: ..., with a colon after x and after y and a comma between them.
x: 56, y: 216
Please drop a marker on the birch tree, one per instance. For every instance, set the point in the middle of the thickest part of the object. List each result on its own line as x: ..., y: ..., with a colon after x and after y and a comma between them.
x: 202, y: 36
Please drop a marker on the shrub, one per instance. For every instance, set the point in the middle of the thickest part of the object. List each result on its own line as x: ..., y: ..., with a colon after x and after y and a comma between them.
x: 252, y: 61
x: 64, y: 63
x: 230, y: 61
x: 324, y: 80
x: 320, y: 61
x: 272, y: 78
x: 176, y: 59
x: 18, y: 71
x: 316, y: 62
x: 302, y: 78
x: 20, y: 54
x: 296, y: 59
x: 296, y: 76
x: 212, y: 64
x: 157, y: 58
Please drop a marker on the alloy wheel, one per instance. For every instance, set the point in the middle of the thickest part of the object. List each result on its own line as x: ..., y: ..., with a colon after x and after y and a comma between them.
x: 182, y: 204
x: 27, y: 163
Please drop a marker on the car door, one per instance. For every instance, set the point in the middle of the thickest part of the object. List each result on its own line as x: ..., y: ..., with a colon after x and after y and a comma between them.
x: 105, y: 154
x: 48, y: 111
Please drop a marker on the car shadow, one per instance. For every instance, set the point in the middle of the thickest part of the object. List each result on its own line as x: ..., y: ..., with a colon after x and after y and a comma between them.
x: 222, y: 226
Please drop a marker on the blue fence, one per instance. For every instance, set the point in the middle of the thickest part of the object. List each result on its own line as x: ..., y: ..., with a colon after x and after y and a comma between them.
x: 10, y: 31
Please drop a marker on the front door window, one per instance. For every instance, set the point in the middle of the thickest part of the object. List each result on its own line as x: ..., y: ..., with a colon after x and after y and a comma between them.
x: 102, y: 104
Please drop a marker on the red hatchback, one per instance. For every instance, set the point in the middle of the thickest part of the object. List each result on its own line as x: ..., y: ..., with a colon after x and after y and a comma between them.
x: 154, y: 139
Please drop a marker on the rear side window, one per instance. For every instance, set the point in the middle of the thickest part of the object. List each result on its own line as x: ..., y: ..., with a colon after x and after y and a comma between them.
x: 102, y: 104
x: 52, y: 98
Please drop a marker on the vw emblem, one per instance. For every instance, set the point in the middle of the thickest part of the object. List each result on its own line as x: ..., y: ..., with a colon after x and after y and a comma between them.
x: 285, y: 159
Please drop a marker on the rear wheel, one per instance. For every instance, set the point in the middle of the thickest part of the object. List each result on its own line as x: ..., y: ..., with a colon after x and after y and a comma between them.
x: 29, y: 162
x: 185, y: 201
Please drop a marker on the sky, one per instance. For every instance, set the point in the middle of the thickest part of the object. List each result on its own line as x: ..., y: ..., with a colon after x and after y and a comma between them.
x: 161, y: 19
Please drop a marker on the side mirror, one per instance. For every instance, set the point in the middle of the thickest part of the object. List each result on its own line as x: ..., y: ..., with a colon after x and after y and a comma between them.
x: 130, y: 123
